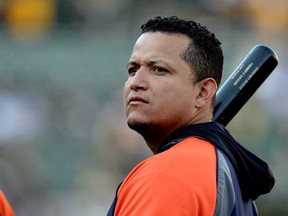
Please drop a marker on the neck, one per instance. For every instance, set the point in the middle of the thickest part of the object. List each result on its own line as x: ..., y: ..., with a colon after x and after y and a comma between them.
x: 155, y: 136
x: 154, y: 144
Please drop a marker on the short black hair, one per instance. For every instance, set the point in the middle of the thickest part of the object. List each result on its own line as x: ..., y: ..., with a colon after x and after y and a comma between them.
x: 204, y: 53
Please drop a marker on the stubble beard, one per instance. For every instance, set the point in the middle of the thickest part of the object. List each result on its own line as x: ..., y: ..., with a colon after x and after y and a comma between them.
x: 147, y: 130
x: 140, y: 127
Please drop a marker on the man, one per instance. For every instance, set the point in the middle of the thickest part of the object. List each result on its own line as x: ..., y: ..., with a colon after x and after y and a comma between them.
x: 197, y: 167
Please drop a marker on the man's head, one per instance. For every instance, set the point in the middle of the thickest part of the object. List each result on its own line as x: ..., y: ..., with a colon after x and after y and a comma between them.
x: 204, y: 53
x: 166, y: 89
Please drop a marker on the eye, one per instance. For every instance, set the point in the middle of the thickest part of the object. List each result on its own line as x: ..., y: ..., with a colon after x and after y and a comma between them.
x: 160, y: 70
x: 132, y: 70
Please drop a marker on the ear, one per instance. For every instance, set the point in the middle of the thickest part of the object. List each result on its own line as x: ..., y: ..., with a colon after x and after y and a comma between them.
x: 208, y: 88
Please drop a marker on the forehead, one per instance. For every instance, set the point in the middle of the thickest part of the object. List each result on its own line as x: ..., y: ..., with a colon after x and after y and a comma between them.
x: 157, y: 44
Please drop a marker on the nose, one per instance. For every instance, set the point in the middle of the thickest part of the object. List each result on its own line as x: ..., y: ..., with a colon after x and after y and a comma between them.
x: 140, y: 80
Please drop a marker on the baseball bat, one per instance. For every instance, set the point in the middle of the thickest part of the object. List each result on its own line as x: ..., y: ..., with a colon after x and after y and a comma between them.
x: 243, y: 82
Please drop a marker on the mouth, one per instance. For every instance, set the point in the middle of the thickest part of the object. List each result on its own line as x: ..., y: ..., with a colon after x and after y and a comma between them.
x: 136, y: 100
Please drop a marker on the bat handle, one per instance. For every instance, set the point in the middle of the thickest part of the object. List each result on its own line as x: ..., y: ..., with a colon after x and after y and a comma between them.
x: 243, y: 82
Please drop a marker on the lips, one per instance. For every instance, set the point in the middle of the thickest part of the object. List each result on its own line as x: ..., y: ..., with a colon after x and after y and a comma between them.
x: 134, y: 100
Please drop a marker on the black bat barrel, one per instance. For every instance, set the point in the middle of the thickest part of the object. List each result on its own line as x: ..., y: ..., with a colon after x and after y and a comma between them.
x: 243, y: 82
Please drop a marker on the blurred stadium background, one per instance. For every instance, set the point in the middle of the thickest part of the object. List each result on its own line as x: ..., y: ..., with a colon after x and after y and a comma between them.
x: 64, y: 143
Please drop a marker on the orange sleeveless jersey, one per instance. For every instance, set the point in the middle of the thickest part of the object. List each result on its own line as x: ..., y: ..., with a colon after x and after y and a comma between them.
x: 179, y: 181
x: 5, y: 208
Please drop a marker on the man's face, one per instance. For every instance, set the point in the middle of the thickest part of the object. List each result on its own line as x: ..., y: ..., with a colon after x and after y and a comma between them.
x: 159, y: 93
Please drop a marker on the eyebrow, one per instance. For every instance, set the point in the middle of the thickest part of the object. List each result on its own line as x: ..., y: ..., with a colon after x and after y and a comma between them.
x: 131, y: 63
x: 150, y: 63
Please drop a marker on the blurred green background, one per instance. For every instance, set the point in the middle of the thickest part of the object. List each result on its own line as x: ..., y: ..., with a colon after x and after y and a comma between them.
x: 64, y: 143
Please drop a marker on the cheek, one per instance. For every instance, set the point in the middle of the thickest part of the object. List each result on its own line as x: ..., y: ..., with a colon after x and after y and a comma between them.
x: 175, y: 92
x: 179, y: 98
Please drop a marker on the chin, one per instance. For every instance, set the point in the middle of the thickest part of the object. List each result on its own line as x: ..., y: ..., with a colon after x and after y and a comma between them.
x: 141, y: 127
x: 136, y: 124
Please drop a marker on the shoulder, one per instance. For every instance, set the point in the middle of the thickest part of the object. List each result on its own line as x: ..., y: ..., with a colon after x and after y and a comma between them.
x: 183, y: 160
x: 182, y: 178
x: 190, y: 156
